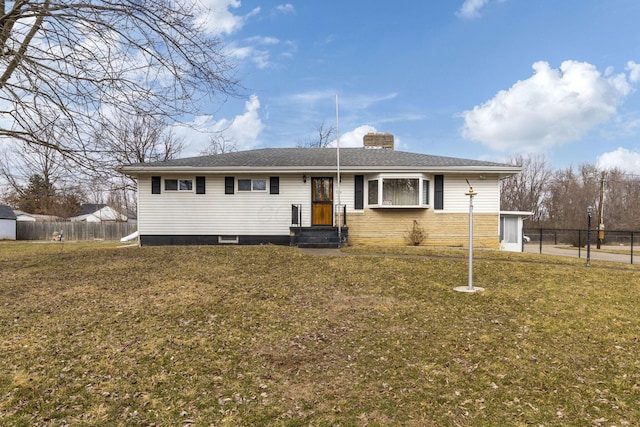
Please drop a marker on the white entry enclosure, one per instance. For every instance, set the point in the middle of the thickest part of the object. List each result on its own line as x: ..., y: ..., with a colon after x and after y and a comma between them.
x: 511, y: 225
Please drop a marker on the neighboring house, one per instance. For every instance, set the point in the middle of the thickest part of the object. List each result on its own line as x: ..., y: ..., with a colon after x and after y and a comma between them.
x: 7, y: 223
x: 300, y: 196
x: 24, y: 217
x: 29, y: 217
x: 47, y: 218
x: 94, y: 212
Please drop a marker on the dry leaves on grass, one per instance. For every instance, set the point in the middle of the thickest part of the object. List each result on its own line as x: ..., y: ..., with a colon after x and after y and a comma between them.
x: 267, y: 336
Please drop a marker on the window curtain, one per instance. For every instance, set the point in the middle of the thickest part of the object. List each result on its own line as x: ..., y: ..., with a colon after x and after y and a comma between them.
x: 401, y: 192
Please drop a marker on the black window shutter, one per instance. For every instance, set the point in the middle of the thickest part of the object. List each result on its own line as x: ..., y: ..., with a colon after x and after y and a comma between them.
x: 200, y: 185
x: 274, y: 185
x: 359, y: 190
x: 438, y: 203
x: 229, y: 185
x: 155, y: 185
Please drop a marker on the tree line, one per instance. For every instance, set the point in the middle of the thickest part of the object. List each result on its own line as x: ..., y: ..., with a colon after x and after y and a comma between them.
x: 561, y: 198
x: 88, y: 86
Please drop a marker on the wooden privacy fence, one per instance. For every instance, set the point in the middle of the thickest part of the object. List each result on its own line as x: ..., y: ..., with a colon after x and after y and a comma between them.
x: 74, y: 230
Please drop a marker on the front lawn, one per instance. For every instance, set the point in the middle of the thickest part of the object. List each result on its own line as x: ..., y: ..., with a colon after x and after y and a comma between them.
x: 93, y: 334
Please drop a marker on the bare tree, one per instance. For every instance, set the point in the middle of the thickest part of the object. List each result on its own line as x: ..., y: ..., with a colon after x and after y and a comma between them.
x: 70, y: 65
x: 138, y: 138
x: 324, y: 135
x: 40, y: 196
x: 25, y: 167
x: 219, y: 144
x: 570, y: 193
x: 20, y: 162
x: 526, y: 191
x: 621, y: 201
x: 130, y: 138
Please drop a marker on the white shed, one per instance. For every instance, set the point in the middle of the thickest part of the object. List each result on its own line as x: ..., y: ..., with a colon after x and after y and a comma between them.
x: 7, y: 223
x: 511, y: 226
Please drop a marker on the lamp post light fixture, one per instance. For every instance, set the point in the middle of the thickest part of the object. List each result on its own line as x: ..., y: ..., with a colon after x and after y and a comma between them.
x: 589, y: 212
x: 470, y: 288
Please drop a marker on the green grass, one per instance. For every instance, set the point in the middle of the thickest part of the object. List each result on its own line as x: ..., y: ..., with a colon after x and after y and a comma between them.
x: 92, y: 334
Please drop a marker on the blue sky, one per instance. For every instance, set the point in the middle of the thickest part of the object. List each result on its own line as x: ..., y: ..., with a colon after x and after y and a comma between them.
x: 480, y: 79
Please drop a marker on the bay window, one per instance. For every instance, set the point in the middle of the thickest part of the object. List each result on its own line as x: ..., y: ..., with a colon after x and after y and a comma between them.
x: 386, y: 191
x: 373, y: 192
x: 400, y: 191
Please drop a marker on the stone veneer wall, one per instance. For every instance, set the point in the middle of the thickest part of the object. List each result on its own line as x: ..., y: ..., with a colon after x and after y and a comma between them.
x: 392, y: 227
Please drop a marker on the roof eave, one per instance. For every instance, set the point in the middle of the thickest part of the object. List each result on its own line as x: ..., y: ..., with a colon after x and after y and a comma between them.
x: 148, y: 170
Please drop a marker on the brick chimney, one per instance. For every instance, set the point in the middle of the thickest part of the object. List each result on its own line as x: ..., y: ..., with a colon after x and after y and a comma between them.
x: 378, y: 140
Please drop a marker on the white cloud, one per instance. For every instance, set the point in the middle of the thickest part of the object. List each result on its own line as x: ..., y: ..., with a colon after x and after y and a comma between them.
x: 312, y: 97
x: 552, y: 107
x: 354, y: 137
x: 243, y: 130
x: 266, y: 41
x: 471, y: 8
x: 259, y: 57
x: 621, y: 158
x: 366, y: 101
x: 286, y: 8
x: 634, y: 71
x: 258, y: 50
x: 351, y: 102
x: 218, y: 18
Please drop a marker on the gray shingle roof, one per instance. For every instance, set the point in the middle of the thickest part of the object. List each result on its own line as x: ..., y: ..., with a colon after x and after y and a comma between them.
x: 318, y: 158
x: 6, y: 212
x: 89, y: 208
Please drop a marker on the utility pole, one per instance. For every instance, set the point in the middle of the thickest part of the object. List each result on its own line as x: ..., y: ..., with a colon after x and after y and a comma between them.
x: 601, y: 212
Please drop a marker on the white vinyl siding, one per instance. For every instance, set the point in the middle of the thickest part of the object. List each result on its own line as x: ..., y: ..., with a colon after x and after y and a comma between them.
x: 262, y: 213
x: 217, y: 213
x: 347, y: 192
x: 7, y: 229
x: 486, y: 201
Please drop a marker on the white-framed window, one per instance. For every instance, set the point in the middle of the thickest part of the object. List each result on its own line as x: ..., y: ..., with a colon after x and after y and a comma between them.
x: 398, y: 191
x: 246, y: 184
x: 373, y: 192
x: 425, y: 192
x: 178, y: 185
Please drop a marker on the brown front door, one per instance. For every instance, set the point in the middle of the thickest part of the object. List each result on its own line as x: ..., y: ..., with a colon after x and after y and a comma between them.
x: 321, y: 201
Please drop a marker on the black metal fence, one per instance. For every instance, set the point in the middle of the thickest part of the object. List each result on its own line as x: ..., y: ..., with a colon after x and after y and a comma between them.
x: 74, y: 230
x: 620, y: 243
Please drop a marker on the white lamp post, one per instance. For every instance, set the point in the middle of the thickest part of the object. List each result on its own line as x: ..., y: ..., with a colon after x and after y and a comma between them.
x: 470, y: 288
x: 589, y: 212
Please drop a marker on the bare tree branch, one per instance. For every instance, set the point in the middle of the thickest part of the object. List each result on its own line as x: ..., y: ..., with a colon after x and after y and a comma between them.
x: 219, y: 144
x: 71, y: 65
x: 325, y: 134
x: 526, y: 191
